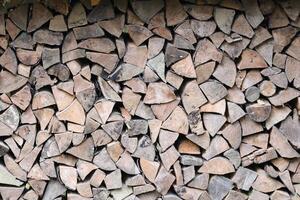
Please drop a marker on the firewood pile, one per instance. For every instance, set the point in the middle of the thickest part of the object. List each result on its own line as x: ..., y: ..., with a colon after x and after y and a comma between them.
x: 150, y: 99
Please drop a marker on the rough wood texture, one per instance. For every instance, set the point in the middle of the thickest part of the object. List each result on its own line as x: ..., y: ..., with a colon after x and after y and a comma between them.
x: 150, y: 99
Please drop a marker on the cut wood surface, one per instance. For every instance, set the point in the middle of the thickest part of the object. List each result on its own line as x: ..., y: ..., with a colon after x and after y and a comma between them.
x: 150, y: 99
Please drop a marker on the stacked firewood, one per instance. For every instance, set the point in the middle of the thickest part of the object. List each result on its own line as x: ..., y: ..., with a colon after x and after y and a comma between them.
x: 150, y: 99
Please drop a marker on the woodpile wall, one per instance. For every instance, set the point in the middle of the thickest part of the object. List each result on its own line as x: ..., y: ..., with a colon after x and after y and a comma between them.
x: 150, y: 99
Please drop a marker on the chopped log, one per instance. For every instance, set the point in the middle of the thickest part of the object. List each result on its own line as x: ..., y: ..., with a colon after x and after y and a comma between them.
x: 88, y: 31
x: 87, y: 153
x: 11, y: 192
x: 73, y: 113
x: 265, y: 50
x: 291, y: 71
x: 218, y: 120
x: 185, y: 67
x: 280, y: 143
x: 251, y: 59
x: 139, y: 34
x: 136, y: 55
x: 199, y: 12
x: 163, y: 181
x: 211, y: 166
x: 177, y: 121
x: 204, y: 71
x: 203, y: 28
x: 214, y: 91
x: 252, y: 93
x: 293, y: 49
x: 108, y: 92
x: 137, y: 127
x: 16, y: 14
x: 217, y: 146
x: 104, y: 161
x: 102, y: 11
x: 43, y: 36
x: 224, y: 18
x: 3, y: 149
x: 103, y: 45
x: 158, y: 93
x: 267, y: 88
x: 60, y: 71
x: 57, y: 23
x: 228, y: 67
x: 200, y: 181
x: 188, y: 147
x: 282, y: 37
x: 244, y: 178
x: 126, y: 72
x: 182, y: 43
x: 270, y: 183
x: 278, y: 18
x: 169, y: 157
x: 37, y: 173
x: 149, y: 75
x: 69, y: 43
x: 155, y: 45
x: 68, y: 176
x: 22, y: 98
x: 72, y: 55
x: 234, y: 157
x: 234, y: 194
x: 259, y: 112
x: 158, y: 65
x: 206, y: 51
x: 10, y: 118
x: 97, y: 178
x: 241, y: 26
x: 145, y: 151
x: 175, y: 13
x: 192, y: 97
x: 24, y: 41
x: 28, y: 57
x: 235, y: 112
x: 12, y: 29
x: 191, y: 160
x: 146, y: 10
x: 253, y: 13
x: 258, y: 140
x: 149, y: 168
x: 235, y: 49
x: 261, y: 35
x: 218, y: 107
x: 217, y: 38
x: 113, y: 180
x: 133, y: 18
x: 40, y: 15
x: 284, y: 96
x: 127, y: 164
x: 249, y: 126
x: 8, y: 178
x: 174, y: 79
x: 185, y: 30
x: 77, y: 16
x: 50, y: 57
x: 108, y: 61
x: 251, y: 78
x: 114, y: 26
x: 29, y: 159
x: 9, y: 61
